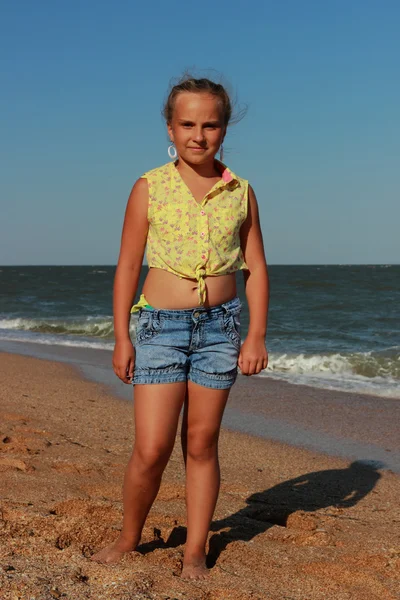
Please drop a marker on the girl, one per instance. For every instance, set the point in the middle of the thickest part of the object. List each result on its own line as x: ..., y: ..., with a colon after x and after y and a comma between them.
x: 200, y: 223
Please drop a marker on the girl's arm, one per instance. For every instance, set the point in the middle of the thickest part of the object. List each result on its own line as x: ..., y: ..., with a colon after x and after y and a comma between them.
x: 253, y: 355
x: 133, y: 244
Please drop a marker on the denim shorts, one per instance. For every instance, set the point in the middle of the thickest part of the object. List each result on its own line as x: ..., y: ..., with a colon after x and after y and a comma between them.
x: 199, y: 344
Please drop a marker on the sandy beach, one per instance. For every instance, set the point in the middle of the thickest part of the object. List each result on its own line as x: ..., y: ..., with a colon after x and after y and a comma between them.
x: 290, y: 523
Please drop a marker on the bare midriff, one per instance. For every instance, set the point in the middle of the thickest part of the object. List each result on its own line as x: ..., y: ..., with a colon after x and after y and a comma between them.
x: 163, y: 289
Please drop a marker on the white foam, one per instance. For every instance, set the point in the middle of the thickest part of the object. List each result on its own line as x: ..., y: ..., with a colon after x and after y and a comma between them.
x: 314, y: 363
x: 57, y: 341
x: 90, y: 326
x: 330, y: 371
x: 334, y: 372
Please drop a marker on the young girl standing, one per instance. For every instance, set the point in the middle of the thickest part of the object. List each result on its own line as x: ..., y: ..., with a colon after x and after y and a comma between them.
x: 200, y: 223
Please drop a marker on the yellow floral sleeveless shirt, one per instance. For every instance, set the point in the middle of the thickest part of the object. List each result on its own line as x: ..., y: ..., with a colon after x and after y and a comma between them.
x: 191, y: 239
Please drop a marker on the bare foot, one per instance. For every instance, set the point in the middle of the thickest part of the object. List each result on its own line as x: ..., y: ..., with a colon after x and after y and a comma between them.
x: 112, y: 554
x: 194, y: 567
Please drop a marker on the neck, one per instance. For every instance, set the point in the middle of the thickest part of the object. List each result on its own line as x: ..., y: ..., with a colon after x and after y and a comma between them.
x: 209, y: 169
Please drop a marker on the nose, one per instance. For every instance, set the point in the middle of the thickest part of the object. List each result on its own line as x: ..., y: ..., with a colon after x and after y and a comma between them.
x: 198, y: 135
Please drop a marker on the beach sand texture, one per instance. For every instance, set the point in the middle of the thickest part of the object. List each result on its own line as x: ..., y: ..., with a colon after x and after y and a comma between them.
x: 290, y: 524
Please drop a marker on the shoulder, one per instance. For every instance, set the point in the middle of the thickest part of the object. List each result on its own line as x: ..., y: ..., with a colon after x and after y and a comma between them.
x: 251, y: 205
x: 139, y: 195
x: 140, y: 186
x: 243, y: 183
x: 247, y: 195
x: 252, y: 193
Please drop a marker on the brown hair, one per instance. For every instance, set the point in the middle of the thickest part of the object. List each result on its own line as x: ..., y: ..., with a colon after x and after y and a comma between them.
x: 189, y: 84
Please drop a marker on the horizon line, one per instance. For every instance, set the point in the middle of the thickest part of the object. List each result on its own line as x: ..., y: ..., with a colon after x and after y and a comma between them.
x: 390, y: 264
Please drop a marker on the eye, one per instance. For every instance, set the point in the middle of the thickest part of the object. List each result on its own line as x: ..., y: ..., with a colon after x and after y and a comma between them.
x: 212, y: 125
x: 186, y: 125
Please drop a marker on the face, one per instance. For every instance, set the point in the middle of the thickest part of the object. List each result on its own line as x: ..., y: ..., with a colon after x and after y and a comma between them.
x: 197, y: 128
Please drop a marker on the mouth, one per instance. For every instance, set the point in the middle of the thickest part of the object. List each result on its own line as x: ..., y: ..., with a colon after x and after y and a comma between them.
x: 197, y: 149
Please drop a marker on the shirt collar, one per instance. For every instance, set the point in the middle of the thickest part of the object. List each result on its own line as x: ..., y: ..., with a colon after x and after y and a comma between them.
x: 226, y: 174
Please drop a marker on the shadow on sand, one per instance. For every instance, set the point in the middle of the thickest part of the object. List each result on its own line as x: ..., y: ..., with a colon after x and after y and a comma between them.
x: 339, y: 488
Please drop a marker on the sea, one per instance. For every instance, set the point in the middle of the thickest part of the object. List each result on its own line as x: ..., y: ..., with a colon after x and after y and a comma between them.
x: 329, y: 326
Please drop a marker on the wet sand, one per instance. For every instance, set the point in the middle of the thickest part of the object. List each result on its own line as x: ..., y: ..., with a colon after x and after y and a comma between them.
x: 291, y: 523
x: 347, y: 424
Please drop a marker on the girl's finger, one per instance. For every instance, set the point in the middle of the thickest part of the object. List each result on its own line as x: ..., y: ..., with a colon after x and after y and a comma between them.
x: 121, y: 374
x: 126, y: 379
x: 252, y: 367
x: 244, y: 366
x: 131, y: 369
x: 259, y: 366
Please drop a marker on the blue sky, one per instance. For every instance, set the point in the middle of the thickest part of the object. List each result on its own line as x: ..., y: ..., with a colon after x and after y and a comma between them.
x: 82, y: 85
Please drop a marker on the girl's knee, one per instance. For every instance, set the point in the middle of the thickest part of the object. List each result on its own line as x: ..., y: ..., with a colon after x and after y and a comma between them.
x: 151, y: 457
x: 202, y: 445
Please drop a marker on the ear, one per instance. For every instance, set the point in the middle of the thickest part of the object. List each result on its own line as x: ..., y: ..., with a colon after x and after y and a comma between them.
x: 170, y: 132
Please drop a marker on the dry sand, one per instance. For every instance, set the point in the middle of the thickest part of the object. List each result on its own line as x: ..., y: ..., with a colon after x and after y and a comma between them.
x: 290, y: 524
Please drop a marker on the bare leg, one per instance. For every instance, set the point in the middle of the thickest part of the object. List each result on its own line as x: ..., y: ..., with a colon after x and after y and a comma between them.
x: 203, y: 412
x: 156, y: 408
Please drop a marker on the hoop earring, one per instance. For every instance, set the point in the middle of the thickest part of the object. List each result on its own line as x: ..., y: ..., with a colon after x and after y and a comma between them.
x: 172, y: 153
x: 221, y: 153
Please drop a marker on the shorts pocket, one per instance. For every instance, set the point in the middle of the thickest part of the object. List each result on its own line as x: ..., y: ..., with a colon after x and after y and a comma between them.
x: 148, y: 327
x: 230, y: 327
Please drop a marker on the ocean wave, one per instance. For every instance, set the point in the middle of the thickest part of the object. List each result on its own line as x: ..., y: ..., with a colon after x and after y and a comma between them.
x: 50, y: 340
x: 369, y: 365
x: 384, y: 363
x: 89, y: 326
x: 376, y: 373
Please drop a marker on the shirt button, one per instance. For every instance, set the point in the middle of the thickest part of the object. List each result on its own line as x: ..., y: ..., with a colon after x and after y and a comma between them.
x: 202, y: 213
x: 202, y: 234
x: 203, y: 256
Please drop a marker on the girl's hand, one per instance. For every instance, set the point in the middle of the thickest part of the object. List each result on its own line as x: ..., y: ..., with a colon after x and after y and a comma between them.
x: 253, y: 356
x: 124, y: 360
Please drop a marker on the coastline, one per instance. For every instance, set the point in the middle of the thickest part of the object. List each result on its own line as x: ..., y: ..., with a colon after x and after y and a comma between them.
x: 350, y: 425
x: 290, y: 522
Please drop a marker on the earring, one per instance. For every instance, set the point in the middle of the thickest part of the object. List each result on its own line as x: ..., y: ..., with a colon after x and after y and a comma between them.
x: 172, y: 153
x: 221, y: 153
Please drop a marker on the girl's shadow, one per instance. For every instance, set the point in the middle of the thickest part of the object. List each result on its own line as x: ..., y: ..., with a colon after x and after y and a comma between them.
x: 339, y: 488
